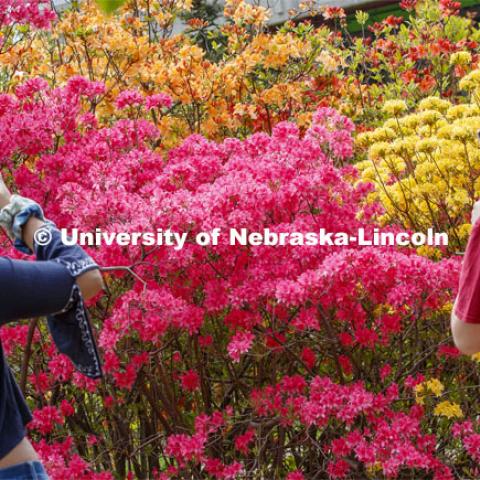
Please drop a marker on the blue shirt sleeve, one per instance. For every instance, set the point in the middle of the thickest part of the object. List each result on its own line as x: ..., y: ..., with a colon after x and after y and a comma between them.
x: 32, y: 289
x: 48, y: 287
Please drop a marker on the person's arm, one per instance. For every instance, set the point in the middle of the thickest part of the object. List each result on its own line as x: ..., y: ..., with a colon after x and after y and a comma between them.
x: 55, y: 285
x: 90, y: 282
x: 32, y: 289
x: 466, y: 336
x: 465, y: 318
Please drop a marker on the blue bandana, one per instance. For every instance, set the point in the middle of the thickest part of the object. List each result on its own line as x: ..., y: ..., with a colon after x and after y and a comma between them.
x: 70, y: 328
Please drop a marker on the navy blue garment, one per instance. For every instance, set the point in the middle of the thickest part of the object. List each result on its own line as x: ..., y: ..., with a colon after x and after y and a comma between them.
x: 32, y: 470
x: 46, y: 287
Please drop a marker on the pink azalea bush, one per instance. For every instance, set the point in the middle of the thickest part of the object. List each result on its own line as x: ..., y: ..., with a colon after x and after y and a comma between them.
x: 227, y: 361
x: 36, y: 13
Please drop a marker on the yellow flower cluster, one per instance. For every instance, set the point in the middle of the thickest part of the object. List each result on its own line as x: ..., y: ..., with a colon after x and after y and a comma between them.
x: 426, y: 164
x: 476, y: 357
x: 394, y: 107
x: 448, y: 409
x: 433, y: 385
x: 460, y: 58
x: 470, y: 81
x: 442, y: 409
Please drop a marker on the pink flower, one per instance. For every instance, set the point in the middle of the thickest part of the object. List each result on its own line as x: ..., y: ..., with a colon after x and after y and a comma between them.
x: 242, y: 441
x: 385, y: 371
x: 37, y: 13
x: 41, y: 381
x: 127, y: 378
x: 296, y: 475
x: 411, y: 382
x: 30, y: 87
x: 158, y: 100
x: 220, y: 471
x: 184, y: 447
x: 471, y: 444
x: 240, y: 343
x: 61, y: 368
x: 293, y: 384
x: 45, y: 419
x: 232, y: 471
x: 338, y: 469
x: 129, y: 98
x: 78, y: 85
x: 340, y: 447
x: 66, y: 408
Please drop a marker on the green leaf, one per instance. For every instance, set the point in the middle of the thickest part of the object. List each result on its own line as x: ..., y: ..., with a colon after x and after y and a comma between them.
x: 109, y: 6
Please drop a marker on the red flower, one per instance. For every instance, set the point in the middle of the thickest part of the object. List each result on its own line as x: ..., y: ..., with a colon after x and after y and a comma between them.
x: 41, y: 381
x: 242, y: 441
x: 448, y: 351
x: 127, y: 378
x: 333, y: 12
x: 427, y: 83
x: 66, y: 408
x: 449, y: 7
x: 190, y: 380
x: 408, y: 4
x: 393, y: 21
x: 205, y: 340
x: 308, y: 356
x: 274, y: 340
x: 466, y: 44
x: 442, y: 45
x: 416, y: 53
x: 408, y: 76
x: 345, y: 363
x: 376, y: 28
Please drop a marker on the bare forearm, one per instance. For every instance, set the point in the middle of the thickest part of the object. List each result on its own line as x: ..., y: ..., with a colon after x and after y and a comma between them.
x: 29, y: 230
x: 466, y: 336
x: 465, y: 319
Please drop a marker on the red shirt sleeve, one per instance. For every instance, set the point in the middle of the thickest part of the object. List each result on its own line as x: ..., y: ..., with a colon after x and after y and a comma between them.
x: 467, y: 305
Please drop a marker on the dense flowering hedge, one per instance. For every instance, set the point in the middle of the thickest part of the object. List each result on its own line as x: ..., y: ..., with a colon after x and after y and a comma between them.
x: 250, y: 362
x: 235, y: 362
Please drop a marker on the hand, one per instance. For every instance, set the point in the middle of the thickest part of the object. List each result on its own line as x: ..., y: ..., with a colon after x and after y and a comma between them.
x: 4, y: 193
x: 475, y: 212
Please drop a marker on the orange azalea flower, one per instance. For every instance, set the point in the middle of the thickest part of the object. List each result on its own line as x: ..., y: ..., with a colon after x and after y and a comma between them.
x: 426, y: 83
x: 333, y: 12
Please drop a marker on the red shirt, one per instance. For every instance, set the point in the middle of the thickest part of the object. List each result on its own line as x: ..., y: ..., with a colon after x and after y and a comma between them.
x: 467, y: 305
